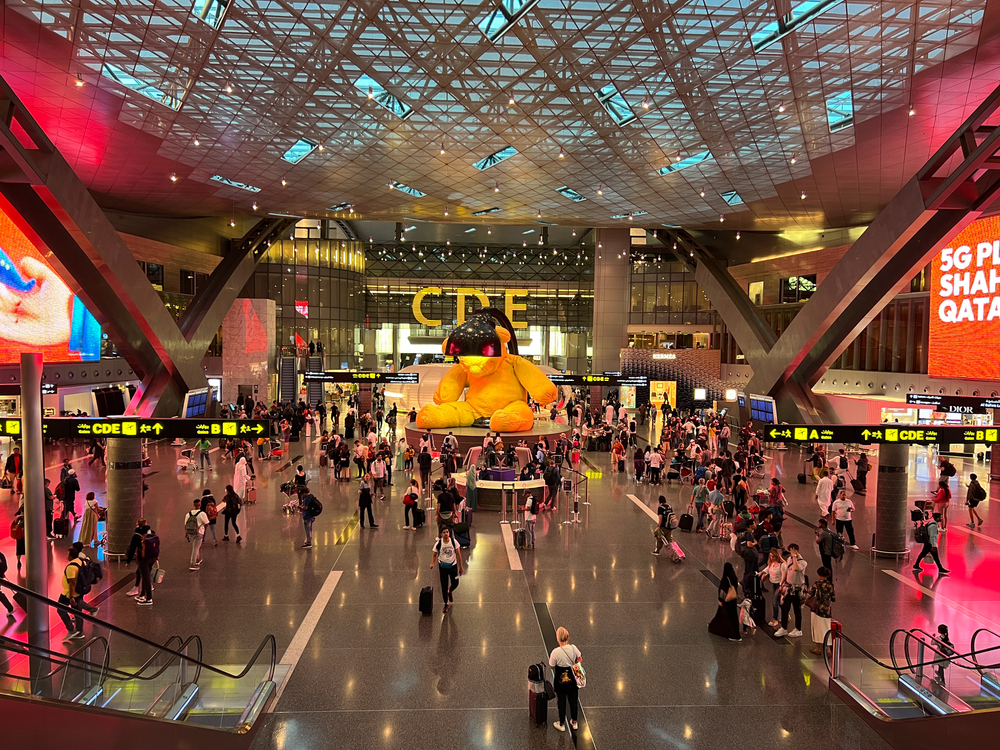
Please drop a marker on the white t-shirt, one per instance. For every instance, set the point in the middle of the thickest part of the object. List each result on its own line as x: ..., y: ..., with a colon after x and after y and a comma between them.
x: 655, y: 460
x: 842, y: 509
x: 447, y: 553
x: 622, y: 413
x: 564, y: 656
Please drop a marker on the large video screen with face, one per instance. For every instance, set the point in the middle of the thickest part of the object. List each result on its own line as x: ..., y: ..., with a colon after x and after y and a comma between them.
x: 38, y: 312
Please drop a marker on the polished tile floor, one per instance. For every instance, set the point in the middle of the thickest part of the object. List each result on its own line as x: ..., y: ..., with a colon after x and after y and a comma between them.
x: 375, y: 673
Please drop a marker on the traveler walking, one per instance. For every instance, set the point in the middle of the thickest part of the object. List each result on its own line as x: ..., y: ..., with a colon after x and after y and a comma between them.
x: 69, y: 597
x: 562, y: 660
x: 822, y: 597
x: 141, y: 527
x: 726, y: 623
x: 230, y: 512
x: 447, y: 554
x: 843, y: 510
x: 793, y: 579
x: 942, y: 499
x: 210, y: 509
x: 91, y: 514
x: 973, y: 497
x: 929, y: 533
x: 531, y: 509
x: 195, y: 522
x: 309, y: 507
x: 365, y: 501
x: 204, y: 446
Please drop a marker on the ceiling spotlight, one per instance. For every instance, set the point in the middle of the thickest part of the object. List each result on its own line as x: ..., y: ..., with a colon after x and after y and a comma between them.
x: 489, y: 230
x: 445, y: 210
x: 562, y: 154
x: 197, y: 142
x: 540, y: 238
x: 677, y: 157
x: 371, y: 93
x: 524, y: 244
x: 539, y: 213
x: 675, y: 246
x: 370, y: 239
x: 496, y: 187
x: 630, y: 217
x: 599, y: 245
x: 793, y: 160
x: 442, y: 148
x: 803, y: 196
x: 911, y: 112
x: 722, y: 218
x: 173, y: 177
x: 702, y: 193
x: 645, y: 103
x: 229, y: 88
x: 781, y: 107
x: 391, y: 186
x: 320, y: 147
x: 600, y: 189
x: 232, y: 222
x: 511, y: 100
x: 574, y: 233
x: 255, y: 205
x: 283, y: 182
x: 79, y: 81
x: 737, y: 234
x: 448, y: 242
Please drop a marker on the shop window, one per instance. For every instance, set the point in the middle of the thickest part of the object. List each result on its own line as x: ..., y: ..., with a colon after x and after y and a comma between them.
x: 797, y: 288
x: 154, y: 272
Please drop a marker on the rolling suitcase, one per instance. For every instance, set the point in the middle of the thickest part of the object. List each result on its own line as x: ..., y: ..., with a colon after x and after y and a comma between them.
x: 856, y: 484
x: 419, y: 517
x: 426, y: 600
x: 252, y: 493
x: 686, y: 522
x: 802, y: 478
x: 520, y: 539
x: 729, y: 506
x: 60, y: 527
x: 538, y: 703
x: 678, y: 552
x: 460, y: 532
x: 322, y: 460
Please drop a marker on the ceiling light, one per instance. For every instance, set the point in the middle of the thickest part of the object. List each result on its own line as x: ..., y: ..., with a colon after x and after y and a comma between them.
x: 371, y: 92
x: 496, y: 188
x: 448, y: 242
x: 489, y: 230
x: 283, y: 182
x: 79, y: 81
x: 910, y: 113
x: 722, y: 218
x: 539, y: 213
x: 600, y: 189
x: 391, y: 185
x: 803, y: 196
x: 255, y: 205
x: 442, y: 148
x: 173, y: 177
x: 511, y: 100
x: 630, y: 217
x: 232, y: 222
x: 677, y: 157
x: 793, y: 160
x: 540, y: 239
x: 645, y: 103
x: 320, y: 147
x: 445, y: 210
x: 599, y: 245
x: 574, y: 233
x: 702, y: 193
x: 781, y: 107
x: 197, y: 142
x: 737, y: 234
x: 562, y: 154
x: 370, y: 239
x: 524, y: 243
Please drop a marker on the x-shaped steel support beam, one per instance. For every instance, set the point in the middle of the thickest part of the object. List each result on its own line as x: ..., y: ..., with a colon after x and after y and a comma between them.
x: 40, y: 191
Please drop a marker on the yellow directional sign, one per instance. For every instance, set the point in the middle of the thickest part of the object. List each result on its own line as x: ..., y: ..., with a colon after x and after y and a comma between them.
x: 125, y: 427
x: 881, y: 433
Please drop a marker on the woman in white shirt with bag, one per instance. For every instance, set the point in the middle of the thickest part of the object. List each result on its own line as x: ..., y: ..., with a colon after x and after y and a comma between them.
x: 562, y: 660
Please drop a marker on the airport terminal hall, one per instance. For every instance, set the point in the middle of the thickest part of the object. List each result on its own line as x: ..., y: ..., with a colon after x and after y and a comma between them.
x: 499, y: 374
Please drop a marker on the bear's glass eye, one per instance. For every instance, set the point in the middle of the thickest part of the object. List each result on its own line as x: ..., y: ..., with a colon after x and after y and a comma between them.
x: 489, y: 350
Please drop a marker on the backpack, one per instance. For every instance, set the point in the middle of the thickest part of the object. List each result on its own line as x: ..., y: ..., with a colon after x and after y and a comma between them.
x: 978, y: 492
x: 533, y: 506
x: 60, y: 491
x: 84, y: 579
x: 672, y: 521
x: 150, y: 548
x: 191, y: 523
x: 836, y: 547
x: 921, y: 535
x: 211, y: 511
x: 948, y: 470
x: 317, y: 506
x: 843, y: 462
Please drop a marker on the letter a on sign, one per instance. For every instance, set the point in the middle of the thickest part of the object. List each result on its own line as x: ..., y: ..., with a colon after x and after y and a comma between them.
x: 813, y: 435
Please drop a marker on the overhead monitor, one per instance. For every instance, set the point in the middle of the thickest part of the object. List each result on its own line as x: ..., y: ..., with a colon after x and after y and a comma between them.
x: 38, y: 311
x: 762, y: 409
x: 110, y: 401
x: 196, y: 402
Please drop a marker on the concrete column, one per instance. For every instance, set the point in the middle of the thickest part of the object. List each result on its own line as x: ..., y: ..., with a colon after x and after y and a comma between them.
x: 364, y: 400
x: 611, y: 298
x: 891, y: 510
x: 124, y: 492
x: 576, y: 353
x: 370, y: 358
x: 35, y: 544
x: 395, y: 347
x: 596, y: 396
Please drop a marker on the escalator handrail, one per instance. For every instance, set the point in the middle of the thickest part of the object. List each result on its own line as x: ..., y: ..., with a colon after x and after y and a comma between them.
x: 876, y: 660
x: 268, y: 639
x: 916, y: 632
x: 955, y: 659
x: 104, y: 670
x: 975, y: 651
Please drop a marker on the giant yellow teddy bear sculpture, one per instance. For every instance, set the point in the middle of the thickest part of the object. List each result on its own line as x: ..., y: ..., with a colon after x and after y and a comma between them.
x: 497, y: 380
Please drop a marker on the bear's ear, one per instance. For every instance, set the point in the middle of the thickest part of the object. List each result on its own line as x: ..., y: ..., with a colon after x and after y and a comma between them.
x: 503, y: 333
x: 444, y: 346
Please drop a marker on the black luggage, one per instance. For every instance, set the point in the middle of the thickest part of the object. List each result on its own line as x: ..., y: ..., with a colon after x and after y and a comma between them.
x: 538, y: 706
x: 322, y: 460
x: 60, y: 527
x: 758, y: 605
x: 673, y: 474
x: 802, y: 478
x: 621, y: 466
x: 460, y: 532
x: 426, y: 600
x: 729, y: 506
x: 520, y: 539
x: 419, y: 517
x: 856, y: 484
x: 686, y: 522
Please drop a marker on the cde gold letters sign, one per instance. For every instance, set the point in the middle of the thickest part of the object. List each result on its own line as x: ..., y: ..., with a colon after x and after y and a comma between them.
x: 462, y: 293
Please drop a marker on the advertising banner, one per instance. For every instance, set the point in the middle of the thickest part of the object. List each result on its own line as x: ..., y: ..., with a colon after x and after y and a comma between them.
x: 37, y: 310
x: 663, y: 390
x: 965, y: 305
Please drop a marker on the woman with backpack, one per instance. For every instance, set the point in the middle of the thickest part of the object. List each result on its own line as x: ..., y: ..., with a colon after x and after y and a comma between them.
x: 942, y: 499
x: 975, y: 495
x: 726, y: 623
x: 448, y: 555
x: 230, y: 512
x: 209, y: 508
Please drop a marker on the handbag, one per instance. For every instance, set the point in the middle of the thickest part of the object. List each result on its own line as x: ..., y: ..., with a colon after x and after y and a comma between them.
x: 578, y: 672
x: 157, y: 574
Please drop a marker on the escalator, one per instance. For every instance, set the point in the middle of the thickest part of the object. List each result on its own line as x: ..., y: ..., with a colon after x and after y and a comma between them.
x: 927, y: 695
x: 314, y: 388
x: 124, y: 689
x: 288, y: 379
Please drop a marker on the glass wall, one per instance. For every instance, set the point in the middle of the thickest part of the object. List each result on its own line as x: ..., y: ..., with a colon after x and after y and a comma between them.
x: 665, y: 293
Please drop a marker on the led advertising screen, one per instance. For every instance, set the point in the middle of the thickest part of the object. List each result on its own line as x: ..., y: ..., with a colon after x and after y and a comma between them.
x: 965, y: 305
x: 38, y: 312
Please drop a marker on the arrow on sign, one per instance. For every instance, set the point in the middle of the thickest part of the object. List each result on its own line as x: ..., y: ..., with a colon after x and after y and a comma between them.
x: 157, y: 428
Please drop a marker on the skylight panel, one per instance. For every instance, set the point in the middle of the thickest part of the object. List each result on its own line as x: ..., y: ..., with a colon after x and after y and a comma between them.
x: 473, y: 229
x: 235, y: 184
x: 485, y: 211
x: 546, y: 223
x: 210, y: 11
x: 406, y: 189
x: 570, y: 193
x: 615, y: 104
x: 299, y: 151
x: 131, y: 82
x: 800, y: 14
x: 690, y: 161
x: 339, y: 207
x: 505, y: 15
x: 630, y: 213
x: 374, y: 90
x: 731, y: 197
x: 840, y: 111
x: 494, y: 159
